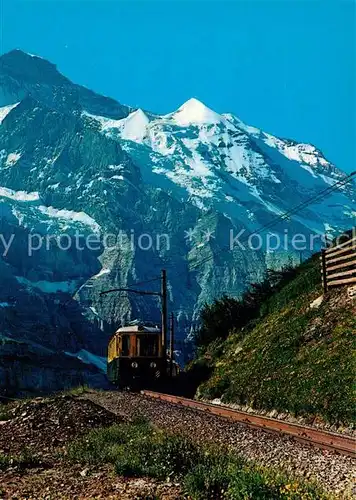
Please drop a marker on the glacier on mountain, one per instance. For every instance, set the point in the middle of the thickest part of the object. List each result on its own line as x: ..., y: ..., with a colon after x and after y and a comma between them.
x: 193, y: 112
x: 217, y: 160
x: 18, y: 195
x: 72, y: 159
x: 5, y: 110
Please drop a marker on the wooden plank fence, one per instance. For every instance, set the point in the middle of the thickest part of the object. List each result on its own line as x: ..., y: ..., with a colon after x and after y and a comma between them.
x: 338, y: 265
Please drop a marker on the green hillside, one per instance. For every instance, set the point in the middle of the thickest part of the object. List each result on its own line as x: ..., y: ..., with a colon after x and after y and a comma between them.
x: 293, y: 357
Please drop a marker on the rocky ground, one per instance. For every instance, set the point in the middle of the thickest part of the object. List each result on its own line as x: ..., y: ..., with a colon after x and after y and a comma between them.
x: 335, y: 473
x: 44, y: 425
x: 38, y: 432
x: 61, y: 483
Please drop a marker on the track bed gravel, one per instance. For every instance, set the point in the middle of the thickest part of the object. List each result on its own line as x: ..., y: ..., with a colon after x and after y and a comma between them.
x: 334, y: 472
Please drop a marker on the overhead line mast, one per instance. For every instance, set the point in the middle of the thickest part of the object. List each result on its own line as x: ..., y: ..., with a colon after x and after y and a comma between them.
x: 164, y: 309
x: 162, y: 294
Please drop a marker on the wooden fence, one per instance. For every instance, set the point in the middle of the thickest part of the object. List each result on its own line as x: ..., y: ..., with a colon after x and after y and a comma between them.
x: 338, y: 265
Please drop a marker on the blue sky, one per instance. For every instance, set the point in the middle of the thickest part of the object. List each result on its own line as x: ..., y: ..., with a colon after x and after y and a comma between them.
x: 286, y: 66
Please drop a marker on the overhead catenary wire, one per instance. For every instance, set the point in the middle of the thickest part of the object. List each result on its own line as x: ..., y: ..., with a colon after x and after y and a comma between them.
x: 157, y: 278
x: 323, y: 194
x: 311, y: 200
x: 284, y: 216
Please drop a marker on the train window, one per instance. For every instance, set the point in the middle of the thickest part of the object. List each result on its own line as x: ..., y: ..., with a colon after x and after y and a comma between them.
x: 147, y: 345
x: 125, y: 350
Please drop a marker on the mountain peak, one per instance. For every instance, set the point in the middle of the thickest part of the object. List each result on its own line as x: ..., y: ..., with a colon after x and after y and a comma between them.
x: 18, y: 55
x: 29, y: 67
x: 194, y: 111
x: 134, y: 127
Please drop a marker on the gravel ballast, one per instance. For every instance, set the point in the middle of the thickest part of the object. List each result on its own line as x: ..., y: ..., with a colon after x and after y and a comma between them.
x: 334, y: 472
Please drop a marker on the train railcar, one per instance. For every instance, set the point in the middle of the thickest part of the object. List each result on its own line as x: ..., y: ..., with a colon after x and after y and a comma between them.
x: 135, y: 357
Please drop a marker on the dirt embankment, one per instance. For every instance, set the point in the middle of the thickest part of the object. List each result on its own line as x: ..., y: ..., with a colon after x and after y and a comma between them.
x: 33, y: 463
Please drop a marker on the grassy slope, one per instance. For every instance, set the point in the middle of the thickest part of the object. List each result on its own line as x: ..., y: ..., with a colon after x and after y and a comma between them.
x: 294, y: 358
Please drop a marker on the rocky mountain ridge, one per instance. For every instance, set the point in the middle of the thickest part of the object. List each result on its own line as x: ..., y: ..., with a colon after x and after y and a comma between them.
x: 73, y: 163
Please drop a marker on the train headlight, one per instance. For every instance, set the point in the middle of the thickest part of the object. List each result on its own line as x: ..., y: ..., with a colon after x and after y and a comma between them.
x: 153, y: 364
x: 134, y: 364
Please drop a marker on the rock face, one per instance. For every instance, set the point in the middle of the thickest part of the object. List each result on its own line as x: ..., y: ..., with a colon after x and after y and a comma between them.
x: 87, y: 184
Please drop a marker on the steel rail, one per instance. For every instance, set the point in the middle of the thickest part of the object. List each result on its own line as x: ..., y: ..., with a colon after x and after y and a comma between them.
x: 340, y: 443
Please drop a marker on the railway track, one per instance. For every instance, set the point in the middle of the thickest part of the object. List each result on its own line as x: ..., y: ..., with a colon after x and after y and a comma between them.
x: 339, y: 443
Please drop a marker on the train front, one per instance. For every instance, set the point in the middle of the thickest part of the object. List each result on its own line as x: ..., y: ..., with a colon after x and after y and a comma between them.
x: 135, y: 357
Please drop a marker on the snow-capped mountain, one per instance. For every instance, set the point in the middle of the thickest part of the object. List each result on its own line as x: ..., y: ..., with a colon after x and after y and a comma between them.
x: 217, y: 162
x: 72, y: 161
